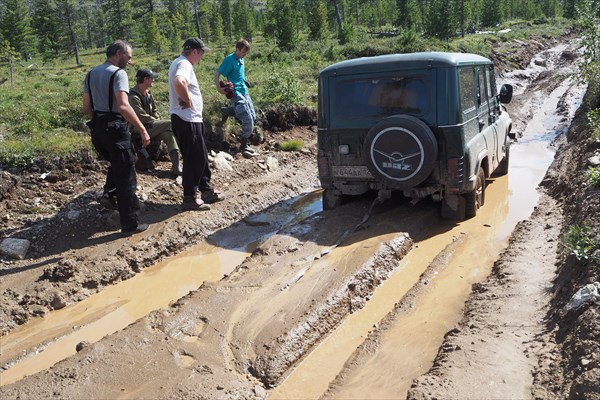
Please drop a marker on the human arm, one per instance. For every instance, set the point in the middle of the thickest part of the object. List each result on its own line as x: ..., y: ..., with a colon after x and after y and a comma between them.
x: 87, y: 106
x: 130, y: 116
x: 218, y: 83
x: 180, y: 84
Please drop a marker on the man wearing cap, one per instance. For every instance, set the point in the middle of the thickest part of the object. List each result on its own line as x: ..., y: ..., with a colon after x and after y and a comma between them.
x: 186, y: 105
x: 106, y: 104
x: 233, y: 69
x: 143, y: 104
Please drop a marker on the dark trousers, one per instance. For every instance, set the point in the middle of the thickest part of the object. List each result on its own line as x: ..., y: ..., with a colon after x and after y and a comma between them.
x: 196, y: 171
x: 112, y: 141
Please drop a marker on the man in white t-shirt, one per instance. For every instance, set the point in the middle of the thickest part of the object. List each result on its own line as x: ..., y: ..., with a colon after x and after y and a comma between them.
x: 186, y: 105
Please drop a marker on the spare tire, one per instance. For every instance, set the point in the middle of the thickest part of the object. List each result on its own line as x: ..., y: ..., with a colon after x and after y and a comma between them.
x: 401, y: 151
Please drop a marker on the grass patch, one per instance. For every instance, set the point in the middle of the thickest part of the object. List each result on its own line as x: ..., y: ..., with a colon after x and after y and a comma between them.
x: 291, y: 145
x: 580, y: 244
x: 62, y: 143
x: 594, y: 176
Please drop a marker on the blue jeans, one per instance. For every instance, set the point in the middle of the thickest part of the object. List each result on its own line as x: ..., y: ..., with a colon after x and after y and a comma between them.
x: 244, y: 111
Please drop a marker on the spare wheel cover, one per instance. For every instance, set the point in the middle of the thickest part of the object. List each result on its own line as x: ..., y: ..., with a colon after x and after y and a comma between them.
x: 401, y: 151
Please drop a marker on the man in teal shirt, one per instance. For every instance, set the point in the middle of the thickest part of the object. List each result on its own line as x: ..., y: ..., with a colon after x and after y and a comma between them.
x: 233, y: 69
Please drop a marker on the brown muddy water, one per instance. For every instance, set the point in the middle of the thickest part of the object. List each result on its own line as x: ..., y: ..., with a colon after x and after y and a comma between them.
x: 407, y: 347
x: 43, y: 342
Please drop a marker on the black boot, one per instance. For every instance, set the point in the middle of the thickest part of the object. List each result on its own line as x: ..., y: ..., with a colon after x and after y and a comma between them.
x: 175, y: 169
x: 245, y: 148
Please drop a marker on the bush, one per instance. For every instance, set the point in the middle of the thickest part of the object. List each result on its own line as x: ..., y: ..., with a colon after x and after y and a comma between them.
x: 594, y: 176
x: 579, y: 242
x: 291, y: 145
x: 281, y: 88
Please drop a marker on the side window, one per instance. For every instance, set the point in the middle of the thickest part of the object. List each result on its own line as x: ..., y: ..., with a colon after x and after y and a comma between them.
x: 467, y: 88
x: 488, y: 80
x: 482, y: 87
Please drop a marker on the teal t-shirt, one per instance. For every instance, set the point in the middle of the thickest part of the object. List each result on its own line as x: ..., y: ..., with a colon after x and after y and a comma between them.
x: 232, y: 68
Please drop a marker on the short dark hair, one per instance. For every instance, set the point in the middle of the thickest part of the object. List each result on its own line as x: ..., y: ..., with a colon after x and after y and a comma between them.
x: 242, y: 43
x: 116, y: 46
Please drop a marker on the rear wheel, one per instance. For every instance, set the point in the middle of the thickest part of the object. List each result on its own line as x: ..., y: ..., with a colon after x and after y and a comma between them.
x: 475, y: 199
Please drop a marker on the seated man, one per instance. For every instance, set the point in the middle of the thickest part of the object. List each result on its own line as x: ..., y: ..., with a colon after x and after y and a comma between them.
x: 143, y: 104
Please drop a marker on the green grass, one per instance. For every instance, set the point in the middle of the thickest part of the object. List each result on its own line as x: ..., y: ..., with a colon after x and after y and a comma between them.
x: 291, y: 145
x: 580, y: 243
x: 41, y: 114
x: 594, y: 176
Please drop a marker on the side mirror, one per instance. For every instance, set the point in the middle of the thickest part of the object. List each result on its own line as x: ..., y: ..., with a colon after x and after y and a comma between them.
x: 506, y: 92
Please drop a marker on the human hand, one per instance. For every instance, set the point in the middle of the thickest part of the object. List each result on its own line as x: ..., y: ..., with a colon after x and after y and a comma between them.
x: 183, y: 104
x: 145, y: 138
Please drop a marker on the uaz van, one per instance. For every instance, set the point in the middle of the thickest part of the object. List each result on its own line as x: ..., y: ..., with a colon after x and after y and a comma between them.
x: 424, y: 124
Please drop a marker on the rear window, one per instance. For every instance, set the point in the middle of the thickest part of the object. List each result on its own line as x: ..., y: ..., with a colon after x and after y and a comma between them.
x: 381, y: 97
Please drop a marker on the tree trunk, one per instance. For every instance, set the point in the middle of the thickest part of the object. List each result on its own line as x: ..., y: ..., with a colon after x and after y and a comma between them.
x: 197, y: 19
x: 72, y: 35
x: 338, y: 15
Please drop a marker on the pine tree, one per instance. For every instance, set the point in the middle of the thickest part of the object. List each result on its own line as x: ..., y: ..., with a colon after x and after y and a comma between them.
x: 216, y: 26
x: 317, y: 20
x: 441, y: 19
x: 408, y: 14
x: 15, y: 27
x: 152, y: 38
x: 243, y: 19
x: 226, y: 15
x: 48, y: 28
x: 284, y: 24
x: 463, y: 13
x: 491, y: 13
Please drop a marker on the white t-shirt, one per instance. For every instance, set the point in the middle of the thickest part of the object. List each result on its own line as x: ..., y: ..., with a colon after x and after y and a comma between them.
x: 182, y: 67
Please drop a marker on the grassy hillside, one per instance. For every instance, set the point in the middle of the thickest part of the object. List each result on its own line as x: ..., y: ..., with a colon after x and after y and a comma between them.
x: 41, y: 117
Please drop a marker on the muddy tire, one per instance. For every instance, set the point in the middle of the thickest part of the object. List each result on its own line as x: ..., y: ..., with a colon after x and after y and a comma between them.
x: 401, y: 151
x: 331, y: 199
x: 503, y: 166
x: 475, y: 199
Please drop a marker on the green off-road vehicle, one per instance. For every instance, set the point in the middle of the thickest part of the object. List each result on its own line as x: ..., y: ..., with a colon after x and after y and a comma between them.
x: 424, y: 124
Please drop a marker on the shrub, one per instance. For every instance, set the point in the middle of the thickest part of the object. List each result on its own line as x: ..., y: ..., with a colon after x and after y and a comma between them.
x: 282, y: 87
x: 291, y: 145
x: 578, y: 241
x: 594, y: 176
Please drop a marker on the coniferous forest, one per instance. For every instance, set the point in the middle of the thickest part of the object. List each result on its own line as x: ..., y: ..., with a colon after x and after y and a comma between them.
x: 53, y: 28
x: 48, y: 45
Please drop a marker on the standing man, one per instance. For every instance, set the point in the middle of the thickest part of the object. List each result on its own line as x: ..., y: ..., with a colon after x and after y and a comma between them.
x: 186, y: 105
x: 232, y: 68
x: 106, y: 104
x: 143, y: 104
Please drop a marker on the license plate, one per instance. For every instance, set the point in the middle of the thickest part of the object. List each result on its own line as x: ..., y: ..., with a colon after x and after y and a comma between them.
x: 351, y: 172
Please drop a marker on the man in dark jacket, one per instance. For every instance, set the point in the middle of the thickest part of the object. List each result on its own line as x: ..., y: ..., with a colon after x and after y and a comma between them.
x: 143, y: 104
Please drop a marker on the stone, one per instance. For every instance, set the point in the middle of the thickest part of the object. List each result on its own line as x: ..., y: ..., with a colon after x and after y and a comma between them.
x: 15, y: 248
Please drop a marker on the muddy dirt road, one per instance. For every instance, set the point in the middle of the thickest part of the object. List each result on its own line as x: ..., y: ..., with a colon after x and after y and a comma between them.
x: 268, y: 296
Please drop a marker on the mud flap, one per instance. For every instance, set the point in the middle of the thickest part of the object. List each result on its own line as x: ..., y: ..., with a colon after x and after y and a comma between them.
x: 453, y: 207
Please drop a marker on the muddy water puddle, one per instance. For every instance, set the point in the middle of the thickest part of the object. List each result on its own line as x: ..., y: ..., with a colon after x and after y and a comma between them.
x: 408, y: 347
x: 43, y: 342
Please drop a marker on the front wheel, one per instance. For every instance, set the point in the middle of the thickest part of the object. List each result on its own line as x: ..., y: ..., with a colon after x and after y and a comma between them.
x: 475, y: 199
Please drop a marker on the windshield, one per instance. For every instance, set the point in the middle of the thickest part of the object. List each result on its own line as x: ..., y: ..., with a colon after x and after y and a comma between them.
x: 381, y: 97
